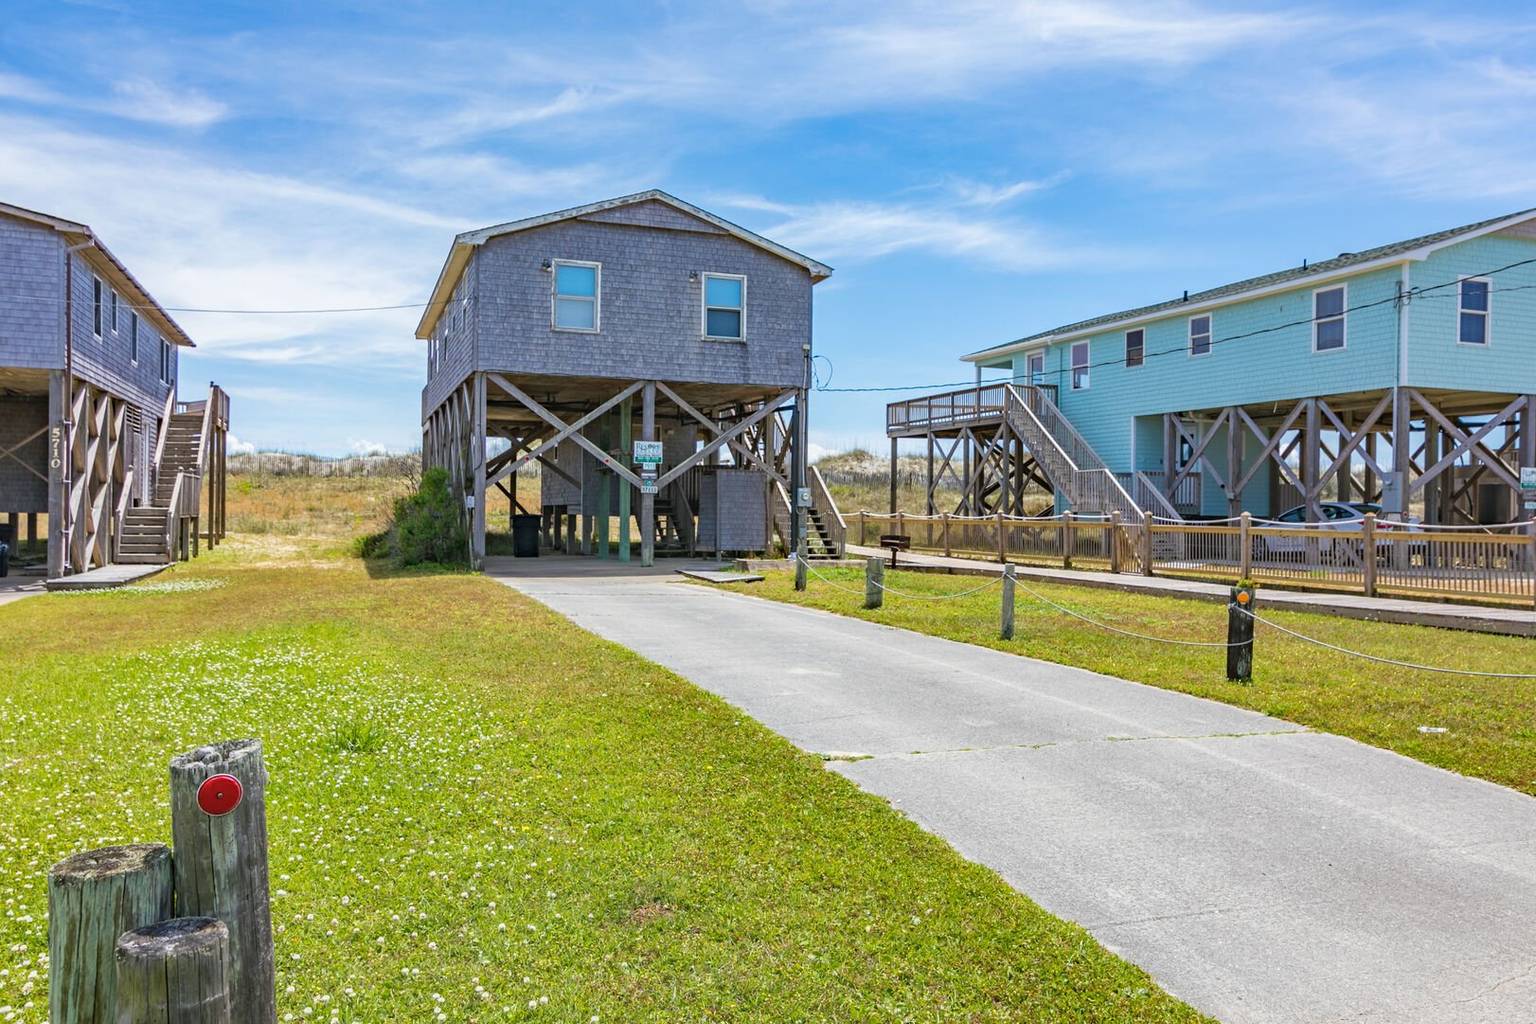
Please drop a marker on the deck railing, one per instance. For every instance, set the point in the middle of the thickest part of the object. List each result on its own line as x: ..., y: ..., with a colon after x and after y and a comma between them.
x: 1493, y: 565
x: 946, y: 409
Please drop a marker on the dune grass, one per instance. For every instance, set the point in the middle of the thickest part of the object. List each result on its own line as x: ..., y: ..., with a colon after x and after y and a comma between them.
x: 480, y: 813
x: 1490, y: 725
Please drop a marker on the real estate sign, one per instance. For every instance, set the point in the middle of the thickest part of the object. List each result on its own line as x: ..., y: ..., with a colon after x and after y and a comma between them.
x: 647, y: 453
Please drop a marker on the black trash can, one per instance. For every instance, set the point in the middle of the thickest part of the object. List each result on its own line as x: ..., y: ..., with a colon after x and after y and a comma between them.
x: 525, y: 535
x: 5, y: 559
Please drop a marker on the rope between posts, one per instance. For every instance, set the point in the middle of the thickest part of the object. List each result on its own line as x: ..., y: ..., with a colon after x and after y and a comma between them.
x: 1381, y: 660
x: 899, y: 593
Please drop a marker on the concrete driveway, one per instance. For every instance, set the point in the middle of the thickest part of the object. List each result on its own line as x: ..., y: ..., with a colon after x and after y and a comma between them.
x: 1261, y: 872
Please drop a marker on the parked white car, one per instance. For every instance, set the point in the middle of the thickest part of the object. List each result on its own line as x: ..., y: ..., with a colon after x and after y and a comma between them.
x: 1338, y: 517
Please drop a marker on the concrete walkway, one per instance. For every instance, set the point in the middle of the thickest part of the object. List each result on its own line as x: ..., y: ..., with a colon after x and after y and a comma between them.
x: 1261, y: 872
x: 1477, y: 618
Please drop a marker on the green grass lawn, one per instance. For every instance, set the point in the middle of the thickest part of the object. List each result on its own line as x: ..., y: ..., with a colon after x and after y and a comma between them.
x: 480, y: 813
x: 1491, y: 723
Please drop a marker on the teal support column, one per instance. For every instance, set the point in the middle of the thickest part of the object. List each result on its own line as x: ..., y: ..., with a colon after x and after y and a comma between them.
x: 626, y: 437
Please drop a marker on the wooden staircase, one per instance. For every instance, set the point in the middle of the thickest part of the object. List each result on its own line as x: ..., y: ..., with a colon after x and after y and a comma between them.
x: 154, y: 533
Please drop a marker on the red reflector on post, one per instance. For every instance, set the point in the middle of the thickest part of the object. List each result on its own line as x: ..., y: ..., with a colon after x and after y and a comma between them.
x: 219, y: 794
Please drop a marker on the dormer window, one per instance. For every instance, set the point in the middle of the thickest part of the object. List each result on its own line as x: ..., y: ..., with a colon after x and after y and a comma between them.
x: 725, y: 304
x: 576, y: 300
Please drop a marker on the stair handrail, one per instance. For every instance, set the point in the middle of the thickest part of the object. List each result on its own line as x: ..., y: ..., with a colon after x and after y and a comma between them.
x: 121, y: 515
x: 1155, y: 496
x: 832, y: 518
x: 207, y: 426
x: 1083, y: 460
x: 165, y: 427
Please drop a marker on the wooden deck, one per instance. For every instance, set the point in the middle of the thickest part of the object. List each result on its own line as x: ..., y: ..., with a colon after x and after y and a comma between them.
x: 107, y: 577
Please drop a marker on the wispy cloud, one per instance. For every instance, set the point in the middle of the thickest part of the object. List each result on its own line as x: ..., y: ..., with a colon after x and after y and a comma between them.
x: 144, y: 100
x: 976, y: 193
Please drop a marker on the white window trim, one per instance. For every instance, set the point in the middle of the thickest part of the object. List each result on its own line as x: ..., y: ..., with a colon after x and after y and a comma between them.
x: 597, y: 295
x: 1143, y: 332
x: 98, y: 300
x: 1040, y: 353
x: 1487, y: 314
x: 1072, y: 367
x: 704, y: 306
x: 1343, y: 317
x: 1210, y: 334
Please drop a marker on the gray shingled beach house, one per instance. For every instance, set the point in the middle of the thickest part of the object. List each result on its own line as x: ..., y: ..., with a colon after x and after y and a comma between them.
x: 652, y: 358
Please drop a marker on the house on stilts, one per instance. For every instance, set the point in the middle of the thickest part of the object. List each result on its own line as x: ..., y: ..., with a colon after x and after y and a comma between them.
x: 651, y: 359
x: 1401, y: 379
x: 99, y: 461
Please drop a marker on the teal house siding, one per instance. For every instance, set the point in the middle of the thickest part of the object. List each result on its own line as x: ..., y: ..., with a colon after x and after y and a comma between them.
x: 1508, y: 362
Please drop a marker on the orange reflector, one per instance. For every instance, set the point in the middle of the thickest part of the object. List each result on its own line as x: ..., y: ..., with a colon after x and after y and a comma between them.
x: 1243, y: 597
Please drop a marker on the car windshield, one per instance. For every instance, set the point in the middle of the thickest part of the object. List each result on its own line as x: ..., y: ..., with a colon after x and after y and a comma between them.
x: 1366, y: 507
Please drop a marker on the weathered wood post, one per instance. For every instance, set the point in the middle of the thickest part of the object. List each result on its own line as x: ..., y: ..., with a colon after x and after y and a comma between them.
x: 944, y: 517
x: 1006, y: 628
x: 1368, y: 555
x: 874, y: 579
x: 1244, y: 546
x: 1146, y: 544
x: 93, y: 898
x: 860, y: 541
x: 221, y: 863
x: 1002, y: 540
x: 1114, y: 542
x: 1240, y: 609
x: 1068, y: 539
x: 174, y: 972
x: 801, y: 570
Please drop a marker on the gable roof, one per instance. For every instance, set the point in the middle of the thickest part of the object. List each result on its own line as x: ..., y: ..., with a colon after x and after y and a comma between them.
x: 1198, y: 302
x: 465, y: 243
x: 99, y: 256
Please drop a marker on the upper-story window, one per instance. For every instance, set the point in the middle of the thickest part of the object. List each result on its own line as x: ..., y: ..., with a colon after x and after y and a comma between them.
x: 167, y: 367
x: 1080, y: 366
x: 1473, y: 322
x: 114, y: 311
x: 1328, y: 318
x: 133, y: 336
x: 725, y: 303
x: 96, y: 306
x: 1200, y: 335
x: 577, y: 303
x: 1135, y: 347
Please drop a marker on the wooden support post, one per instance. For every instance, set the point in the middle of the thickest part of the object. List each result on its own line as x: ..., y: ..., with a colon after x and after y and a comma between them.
x: 1146, y: 546
x: 626, y: 450
x: 894, y: 470
x: 1368, y: 554
x: 1240, y: 634
x: 31, y: 528
x: 1244, y: 546
x: 1234, y: 463
x: 874, y: 581
x: 1002, y: 540
x: 1068, y: 539
x: 221, y: 868
x: 1114, y: 541
x: 648, y: 497
x: 1005, y: 629
x: 477, y: 468
x: 93, y: 898
x: 174, y: 972
x: 944, y: 520
x: 860, y: 541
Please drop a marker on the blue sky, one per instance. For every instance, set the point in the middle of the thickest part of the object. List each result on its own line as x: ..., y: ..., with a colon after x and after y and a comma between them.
x: 976, y: 170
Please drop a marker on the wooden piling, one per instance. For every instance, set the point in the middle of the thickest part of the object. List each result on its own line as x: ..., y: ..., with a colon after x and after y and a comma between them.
x: 1240, y: 633
x: 174, y: 972
x: 221, y: 868
x: 874, y: 578
x: 1006, y: 628
x: 93, y: 898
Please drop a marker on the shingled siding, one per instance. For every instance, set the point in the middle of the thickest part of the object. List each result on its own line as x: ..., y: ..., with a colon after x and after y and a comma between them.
x: 107, y: 361
x: 458, y: 338
x: 650, y: 310
x: 31, y: 293
x: 21, y: 491
x: 1508, y: 362
x: 1276, y: 366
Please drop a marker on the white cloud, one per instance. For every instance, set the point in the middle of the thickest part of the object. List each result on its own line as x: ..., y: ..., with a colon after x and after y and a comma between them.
x: 144, y: 100
x: 975, y: 193
x: 239, y: 447
x: 369, y: 448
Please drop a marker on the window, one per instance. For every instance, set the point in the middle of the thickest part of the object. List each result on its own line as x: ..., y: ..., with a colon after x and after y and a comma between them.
x: 1036, y: 367
x: 1135, y: 347
x: 114, y: 312
x: 167, y: 370
x: 133, y: 336
x: 1080, y: 366
x: 724, y: 305
x: 576, y: 295
x: 96, y: 306
x: 1473, y: 323
x: 1200, y: 335
x: 1328, y: 319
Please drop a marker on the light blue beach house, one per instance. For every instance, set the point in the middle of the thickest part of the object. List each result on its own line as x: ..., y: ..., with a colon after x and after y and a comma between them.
x: 1402, y: 375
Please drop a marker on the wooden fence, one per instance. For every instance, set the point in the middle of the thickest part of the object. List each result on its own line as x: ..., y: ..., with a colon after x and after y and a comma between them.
x: 1493, y: 564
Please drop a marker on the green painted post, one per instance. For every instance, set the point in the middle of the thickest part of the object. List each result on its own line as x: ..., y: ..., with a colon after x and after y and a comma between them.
x: 93, y: 898
x: 626, y: 447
